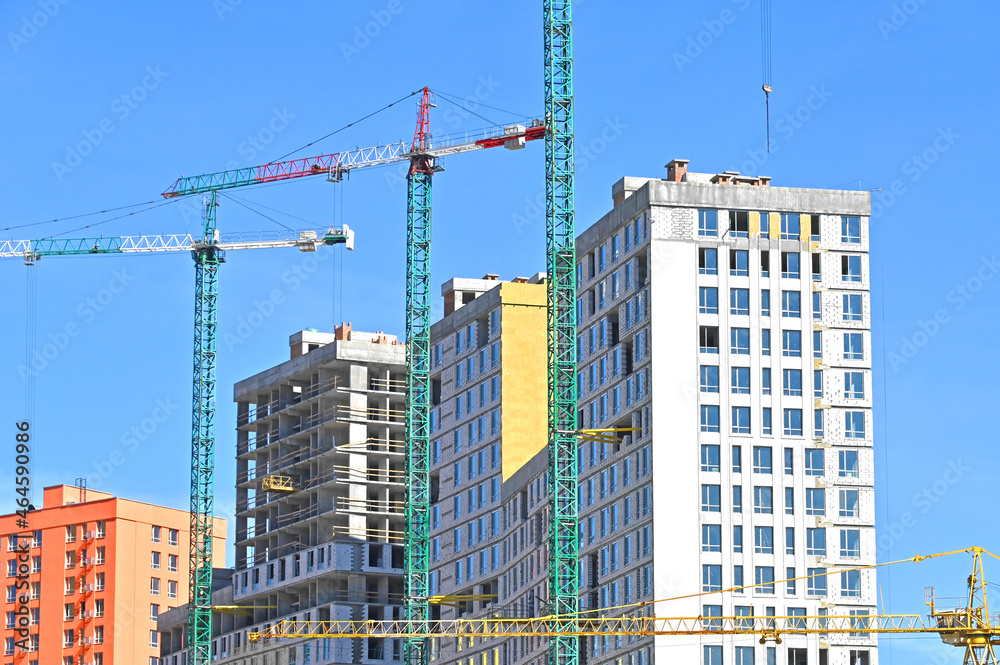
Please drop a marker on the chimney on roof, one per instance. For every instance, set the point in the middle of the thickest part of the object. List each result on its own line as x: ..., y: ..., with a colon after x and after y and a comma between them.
x: 491, y: 276
x: 520, y: 280
x: 342, y: 332
x: 677, y: 169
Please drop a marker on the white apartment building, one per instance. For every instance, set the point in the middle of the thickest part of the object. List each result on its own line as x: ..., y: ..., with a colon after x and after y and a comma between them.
x: 728, y: 321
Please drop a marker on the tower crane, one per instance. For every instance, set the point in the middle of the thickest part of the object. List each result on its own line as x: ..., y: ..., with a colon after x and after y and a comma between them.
x: 421, y: 154
x: 208, y: 251
x: 969, y: 626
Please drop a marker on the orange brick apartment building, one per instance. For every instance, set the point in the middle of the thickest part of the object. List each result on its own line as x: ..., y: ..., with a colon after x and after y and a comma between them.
x: 101, y: 570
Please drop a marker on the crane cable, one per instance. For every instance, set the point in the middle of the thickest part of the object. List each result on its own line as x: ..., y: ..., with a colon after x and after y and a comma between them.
x: 765, y: 62
x: 30, y: 337
x: 645, y: 603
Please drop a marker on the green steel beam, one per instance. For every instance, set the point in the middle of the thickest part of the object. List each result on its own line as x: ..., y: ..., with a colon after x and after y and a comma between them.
x: 418, y: 395
x: 560, y: 230
x: 207, y: 262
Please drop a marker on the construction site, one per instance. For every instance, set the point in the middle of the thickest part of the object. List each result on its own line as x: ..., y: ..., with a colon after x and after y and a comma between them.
x: 665, y: 441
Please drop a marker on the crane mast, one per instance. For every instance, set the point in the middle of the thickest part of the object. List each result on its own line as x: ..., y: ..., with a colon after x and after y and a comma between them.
x: 560, y: 232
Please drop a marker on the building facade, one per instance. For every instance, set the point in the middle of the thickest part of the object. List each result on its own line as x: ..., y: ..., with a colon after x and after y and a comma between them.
x: 102, y: 569
x: 727, y: 323
x: 319, y: 492
x: 489, y: 459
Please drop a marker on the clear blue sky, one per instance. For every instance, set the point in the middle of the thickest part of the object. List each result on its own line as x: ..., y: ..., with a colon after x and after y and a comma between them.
x: 152, y: 94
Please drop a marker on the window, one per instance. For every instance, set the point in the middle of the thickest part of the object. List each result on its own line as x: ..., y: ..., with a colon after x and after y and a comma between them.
x: 765, y: 302
x: 69, y: 588
x: 791, y: 265
x: 155, y: 562
x: 765, y: 380
x: 70, y: 561
x: 68, y: 612
x: 737, y: 499
x: 765, y: 341
x: 744, y: 656
x: 708, y: 339
x: 853, y: 346
x: 99, y: 586
x: 712, y: 655
x: 817, y: 344
x: 762, y: 500
x: 814, y: 462
x: 765, y: 420
x: 710, y: 458
x: 156, y: 534
x: 740, y: 341
x: 854, y: 385
x: 817, y: 383
x: 740, y: 380
x: 172, y: 589
x: 710, y: 612
x: 789, y: 456
x: 791, y: 343
x: 711, y: 499
x: 816, y: 582
x: 791, y: 304
x: 739, y: 302
x: 818, y: 423
x: 762, y: 459
x: 816, y: 542
x: 737, y: 539
x: 708, y: 300
x: 850, y: 268
x: 849, y: 503
x: 850, y: 230
x: 154, y: 586
x: 789, y: 501
x: 854, y: 424
x: 711, y: 538
x: 711, y: 577
x: 852, y: 307
x: 817, y: 269
x: 850, y: 543
x: 739, y: 223
x: 765, y: 255
x: 790, y: 226
x: 817, y: 305
x: 708, y: 261
x: 848, y: 463
x: 764, y: 578
x: 741, y: 420
x: 815, y: 501
x: 737, y: 459
x: 70, y: 534
x: 709, y: 418
x: 850, y: 584
x: 793, y: 422
x: 858, y: 657
x: 172, y: 563
x: 792, y: 382
x: 708, y: 223
x: 739, y: 261
x: 709, y: 378
x: 763, y: 540
x: 790, y: 591
x: 172, y: 537
x: 68, y: 636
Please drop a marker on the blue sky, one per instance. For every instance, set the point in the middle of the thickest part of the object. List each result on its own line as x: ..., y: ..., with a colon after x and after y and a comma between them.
x: 105, y: 106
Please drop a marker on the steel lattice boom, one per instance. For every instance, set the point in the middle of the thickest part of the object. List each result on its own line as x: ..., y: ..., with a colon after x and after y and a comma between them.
x: 560, y: 231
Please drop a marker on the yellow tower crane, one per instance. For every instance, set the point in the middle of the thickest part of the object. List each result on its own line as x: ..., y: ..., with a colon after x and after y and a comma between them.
x: 969, y: 627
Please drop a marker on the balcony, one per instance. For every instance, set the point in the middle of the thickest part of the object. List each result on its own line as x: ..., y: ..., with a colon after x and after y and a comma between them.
x: 370, y: 506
